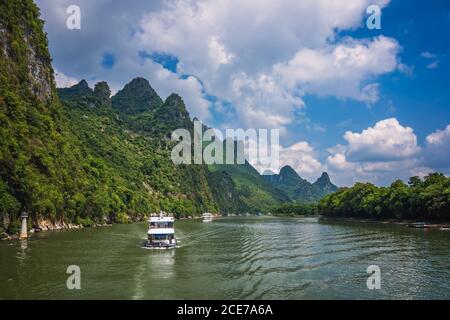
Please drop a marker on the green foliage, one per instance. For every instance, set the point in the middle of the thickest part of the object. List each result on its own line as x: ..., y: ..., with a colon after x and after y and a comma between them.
x: 85, y: 222
x: 14, y: 227
x: 427, y: 199
x: 122, y: 218
x: 240, y: 188
x: 136, y: 97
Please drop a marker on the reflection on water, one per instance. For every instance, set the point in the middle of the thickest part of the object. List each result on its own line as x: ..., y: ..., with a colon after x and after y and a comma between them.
x: 241, y: 258
x: 22, y: 253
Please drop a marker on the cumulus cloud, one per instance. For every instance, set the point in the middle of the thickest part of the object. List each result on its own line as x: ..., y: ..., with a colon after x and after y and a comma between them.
x: 437, y: 149
x: 262, y: 102
x: 342, y: 70
x: 230, y: 53
x: 432, y: 58
x: 388, y: 140
x: 387, y: 150
x: 63, y: 81
x: 301, y: 156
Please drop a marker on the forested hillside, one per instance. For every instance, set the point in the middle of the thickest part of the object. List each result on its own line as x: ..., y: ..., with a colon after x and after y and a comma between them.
x: 79, y: 156
x: 133, y: 142
x: 77, y: 162
x: 42, y: 168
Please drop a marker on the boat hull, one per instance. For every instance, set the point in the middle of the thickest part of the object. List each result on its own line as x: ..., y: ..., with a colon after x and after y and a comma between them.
x: 162, y: 246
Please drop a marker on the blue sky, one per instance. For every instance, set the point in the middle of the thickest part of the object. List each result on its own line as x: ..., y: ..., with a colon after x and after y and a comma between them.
x: 364, y: 105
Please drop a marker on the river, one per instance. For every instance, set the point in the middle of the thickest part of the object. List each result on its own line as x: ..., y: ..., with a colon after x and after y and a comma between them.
x: 232, y: 258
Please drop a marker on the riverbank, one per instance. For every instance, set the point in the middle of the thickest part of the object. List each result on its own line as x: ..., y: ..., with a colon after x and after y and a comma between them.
x: 44, y: 225
x: 406, y: 223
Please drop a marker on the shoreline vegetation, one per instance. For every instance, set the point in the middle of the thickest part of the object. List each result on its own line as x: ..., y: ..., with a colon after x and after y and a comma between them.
x: 426, y: 199
x: 60, y: 226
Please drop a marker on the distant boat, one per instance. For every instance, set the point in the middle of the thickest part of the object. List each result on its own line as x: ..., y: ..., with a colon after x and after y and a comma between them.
x: 207, y: 217
x: 418, y: 225
x: 161, y: 233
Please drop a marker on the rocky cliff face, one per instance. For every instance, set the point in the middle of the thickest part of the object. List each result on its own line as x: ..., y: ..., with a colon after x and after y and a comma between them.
x: 24, y: 51
x: 103, y: 93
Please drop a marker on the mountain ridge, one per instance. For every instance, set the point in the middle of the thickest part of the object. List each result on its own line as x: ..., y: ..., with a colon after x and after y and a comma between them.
x: 243, y: 184
x: 299, y: 189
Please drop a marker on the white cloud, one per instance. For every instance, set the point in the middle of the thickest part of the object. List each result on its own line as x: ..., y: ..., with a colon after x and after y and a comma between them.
x: 437, y: 149
x: 386, y: 141
x: 343, y: 69
x: 63, y: 81
x: 388, y: 151
x: 303, y: 158
x: 338, y: 162
x: 261, y: 102
x: 378, y: 154
x: 190, y: 89
x: 218, y: 52
x: 434, y: 64
x: 240, y: 59
x: 428, y: 55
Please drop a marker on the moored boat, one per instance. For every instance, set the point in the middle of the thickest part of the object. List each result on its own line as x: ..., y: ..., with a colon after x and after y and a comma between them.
x: 418, y: 225
x: 207, y: 217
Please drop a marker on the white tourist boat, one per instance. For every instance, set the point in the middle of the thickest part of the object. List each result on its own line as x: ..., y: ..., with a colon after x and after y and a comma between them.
x: 207, y: 217
x: 161, y: 232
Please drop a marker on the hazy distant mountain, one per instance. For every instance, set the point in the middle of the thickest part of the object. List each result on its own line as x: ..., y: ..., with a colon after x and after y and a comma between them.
x: 325, y: 184
x: 297, y: 188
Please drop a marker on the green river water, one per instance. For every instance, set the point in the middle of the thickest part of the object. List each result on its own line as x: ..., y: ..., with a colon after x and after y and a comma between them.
x: 231, y: 258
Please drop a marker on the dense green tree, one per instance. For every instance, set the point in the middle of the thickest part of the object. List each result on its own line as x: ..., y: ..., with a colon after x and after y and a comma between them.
x: 427, y: 199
